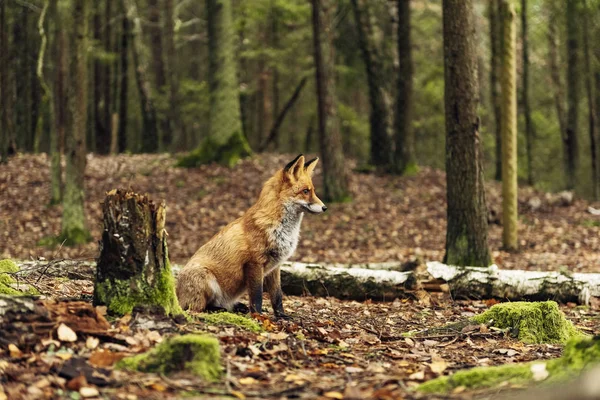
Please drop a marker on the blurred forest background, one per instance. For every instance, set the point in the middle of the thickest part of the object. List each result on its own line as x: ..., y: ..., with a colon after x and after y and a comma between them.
x: 147, y: 86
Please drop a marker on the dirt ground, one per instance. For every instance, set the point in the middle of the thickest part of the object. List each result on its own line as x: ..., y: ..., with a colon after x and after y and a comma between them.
x: 331, y: 349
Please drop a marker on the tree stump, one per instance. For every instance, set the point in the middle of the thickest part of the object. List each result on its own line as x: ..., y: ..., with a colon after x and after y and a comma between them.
x: 133, y: 268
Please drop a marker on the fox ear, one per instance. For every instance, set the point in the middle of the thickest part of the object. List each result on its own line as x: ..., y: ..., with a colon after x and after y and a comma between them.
x: 309, y: 166
x: 294, y: 167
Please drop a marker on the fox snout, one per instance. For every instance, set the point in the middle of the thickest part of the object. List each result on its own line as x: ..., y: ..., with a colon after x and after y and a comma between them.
x: 316, y: 206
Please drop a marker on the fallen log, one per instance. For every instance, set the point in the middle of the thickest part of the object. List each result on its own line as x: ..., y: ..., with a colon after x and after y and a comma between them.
x: 386, y: 281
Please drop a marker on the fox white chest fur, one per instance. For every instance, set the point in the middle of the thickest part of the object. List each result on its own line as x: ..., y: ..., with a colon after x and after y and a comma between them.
x: 284, y: 238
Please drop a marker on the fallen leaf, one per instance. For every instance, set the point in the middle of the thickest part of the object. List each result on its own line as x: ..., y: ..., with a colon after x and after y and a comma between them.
x: 417, y: 376
x: 77, y: 383
x: 409, y: 342
x: 247, y: 381
x: 334, y: 395
x: 88, y: 391
x: 278, y: 336
x: 14, y: 351
x: 438, y: 366
x: 66, y: 334
x: 159, y: 387
x: 105, y: 358
x: 64, y: 355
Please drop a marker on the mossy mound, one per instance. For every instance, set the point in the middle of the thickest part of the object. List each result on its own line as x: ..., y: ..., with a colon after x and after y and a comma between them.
x: 197, y: 354
x: 7, y: 268
x: 210, y: 151
x: 532, y: 322
x: 578, y: 354
x: 227, y: 318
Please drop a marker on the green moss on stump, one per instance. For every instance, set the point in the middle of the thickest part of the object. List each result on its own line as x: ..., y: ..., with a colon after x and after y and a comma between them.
x: 209, y: 151
x: 579, y: 353
x: 121, y: 296
x: 534, y: 322
x: 7, y: 268
x: 227, y: 318
x: 197, y: 354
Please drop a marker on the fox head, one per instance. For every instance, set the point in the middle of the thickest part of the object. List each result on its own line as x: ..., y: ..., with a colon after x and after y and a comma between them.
x: 298, y: 187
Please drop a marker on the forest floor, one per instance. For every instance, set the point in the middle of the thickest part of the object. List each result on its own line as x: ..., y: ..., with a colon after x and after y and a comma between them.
x: 331, y: 349
x: 391, y: 218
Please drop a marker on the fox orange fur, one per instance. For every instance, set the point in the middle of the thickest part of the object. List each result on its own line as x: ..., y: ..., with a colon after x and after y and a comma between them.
x: 247, y: 253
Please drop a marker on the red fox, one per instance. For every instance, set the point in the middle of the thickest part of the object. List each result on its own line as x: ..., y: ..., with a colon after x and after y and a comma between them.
x: 246, y: 254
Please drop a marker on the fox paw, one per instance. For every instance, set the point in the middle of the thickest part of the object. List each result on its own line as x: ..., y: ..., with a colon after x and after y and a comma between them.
x: 241, y: 308
x: 282, y: 315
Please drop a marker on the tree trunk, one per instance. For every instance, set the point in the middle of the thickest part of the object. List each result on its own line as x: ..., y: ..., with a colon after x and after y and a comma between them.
x: 404, y: 160
x: 133, y: 267
x: 275, y: 70
x: 495, y: 33
x: 150, y: 137
x: 99, y: 139
x: 466, y: 236
x: 226, y: 143
x: 556, y: 80
x: 508, y: 75
x: 335, y: 178
x: 124, y: 82
x: 107, y: 81
x: 174, y: 114
x: 74, y: 229
x: 5, y: 97
x: 57, y: 136
x: 379, y: 109
x: 571, y: 144
x: 529, y: 128
x: 160, y: 77
x: 589, y: 85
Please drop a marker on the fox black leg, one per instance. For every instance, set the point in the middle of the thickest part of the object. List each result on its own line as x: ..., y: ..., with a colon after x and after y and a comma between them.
x: 254, y: 277
x: 273, y: 287
x: 214, y: 309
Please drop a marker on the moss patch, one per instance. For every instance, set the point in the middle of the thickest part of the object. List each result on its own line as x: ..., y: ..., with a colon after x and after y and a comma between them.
x: 197, y: 354
x: 73, y: 237
x: 227, y: 318
x: 578, y: 354
x: 210, y: 151
x: 7, y: 268
x: 120, y: 296
x: 532, y: 322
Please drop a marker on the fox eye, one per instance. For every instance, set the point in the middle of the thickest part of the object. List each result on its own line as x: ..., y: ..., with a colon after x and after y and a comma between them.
x: 306, y: 191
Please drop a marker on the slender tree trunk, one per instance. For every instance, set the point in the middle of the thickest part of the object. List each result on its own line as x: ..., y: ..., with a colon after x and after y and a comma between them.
x: 160, y: 77
x: 557, y: 84
x: 124, y: 82
x: 572, y: 151
x: 508, y: 76
x: 174, y: 114
x: 404, y: 160
x: 379, y: 108
x: 150, y: 135
x: 466, y: 236
x: 23, y: 103
x: 106, y: 75
x: 4, y: 82
x: 57, y: 137
x: 589, y: 84
x: 495, y: 41
x: 98, y: 139
x: 275, y: 71
x: 529, y: 127
x: 74, y: 229
x: 335, y: 178
x: 226, y: 143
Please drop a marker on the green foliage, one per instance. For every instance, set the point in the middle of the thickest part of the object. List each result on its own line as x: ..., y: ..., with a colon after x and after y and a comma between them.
x: 355, y: 132
x: 579, y: 353
x: 197, y: 354
x: 210, y: 151
x: 534, y: 322
x: 7, y: 269
x: 227, y: 318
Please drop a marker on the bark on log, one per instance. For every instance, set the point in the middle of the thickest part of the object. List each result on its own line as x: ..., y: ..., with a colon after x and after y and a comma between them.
x: 492, y: 282
x: 133, y: 267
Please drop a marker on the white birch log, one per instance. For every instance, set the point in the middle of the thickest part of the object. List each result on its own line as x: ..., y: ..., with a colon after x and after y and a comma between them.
x: 492, y: 282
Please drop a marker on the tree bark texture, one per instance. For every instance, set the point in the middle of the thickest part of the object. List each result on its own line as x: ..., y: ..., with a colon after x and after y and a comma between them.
x: 150, y: 135
x: 466, y: 235
x: 529, y: 127
x: 57, y: 129
x: 5, y: 102
x: 335, y: 177
x: 591, y: 103
x: 124, y: 82
x: 558, y: 90
x: 495, y: 42
x: 509, y: 127
x: 174, y: 115
x: 377, y: 82
x: 573, y: 95
x: 133, y: 267
x: 74, y: 229
x: 405, y: 159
